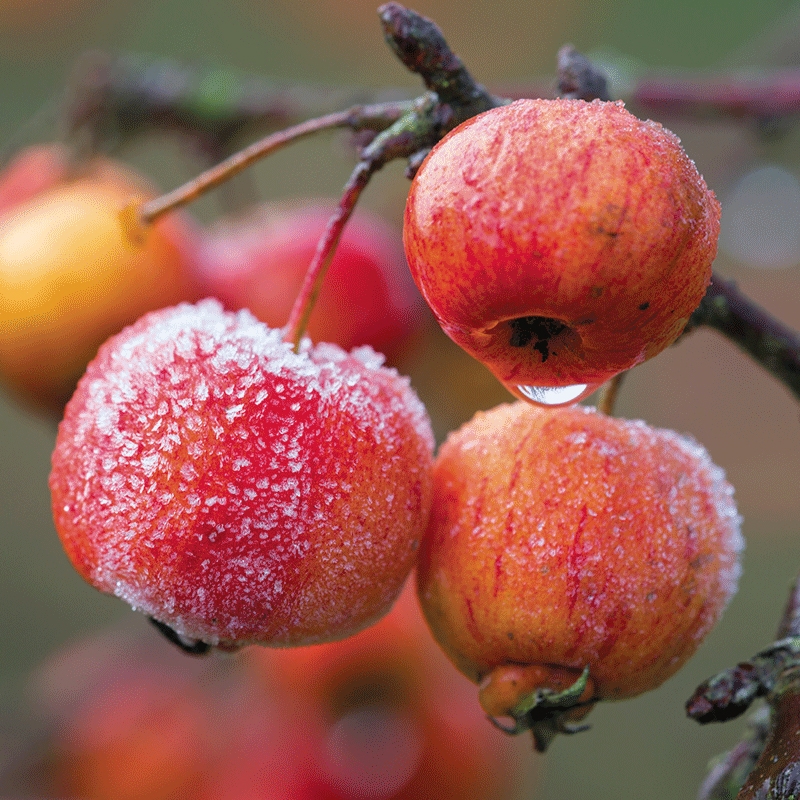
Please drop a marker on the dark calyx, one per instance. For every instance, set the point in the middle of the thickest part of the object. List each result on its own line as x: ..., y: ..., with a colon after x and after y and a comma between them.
x: 535, y: 331
x: 192, y: 647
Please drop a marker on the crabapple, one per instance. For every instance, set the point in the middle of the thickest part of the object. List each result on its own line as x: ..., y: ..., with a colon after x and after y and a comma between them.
x: 150, y: 718
x: 190, y: 729
x: 237, y: 491
x: 33, y: 170
x: 396, y: 721
x: 560, y: 242
x: 564, y: 539
x: 70, y: 277
x: 259, y: 262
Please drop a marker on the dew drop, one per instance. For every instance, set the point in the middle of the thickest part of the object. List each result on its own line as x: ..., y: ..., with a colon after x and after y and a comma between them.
x: 554, y: 395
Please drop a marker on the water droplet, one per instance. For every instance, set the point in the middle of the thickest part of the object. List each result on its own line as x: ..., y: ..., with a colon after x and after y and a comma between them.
x: 555, y: 395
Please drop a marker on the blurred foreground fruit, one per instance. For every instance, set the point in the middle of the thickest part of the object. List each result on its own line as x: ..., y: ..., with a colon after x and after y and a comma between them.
x: 126, y: 718
x: 141, y: 735
x: 258, y: 262
x: 70, y: 277
x: 129, y: 719
x: 563, y: 539
x: 560, y: 242
x: 237, y: 491
x: 399, y: 723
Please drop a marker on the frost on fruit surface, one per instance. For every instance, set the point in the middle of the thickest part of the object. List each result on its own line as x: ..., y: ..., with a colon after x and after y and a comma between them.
x: 566, y: 537
x: 560, y: 242
x: 235, y: 490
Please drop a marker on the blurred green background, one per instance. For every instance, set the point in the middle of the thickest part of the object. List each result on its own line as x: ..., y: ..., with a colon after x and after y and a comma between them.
x: 644, y: 748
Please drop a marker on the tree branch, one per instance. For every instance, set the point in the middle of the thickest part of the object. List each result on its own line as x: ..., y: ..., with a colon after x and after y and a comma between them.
x: 759, y: 96
x: 356, y: 118
x: 775, y: 346
x: 770, y: 753
x: 579, y: 78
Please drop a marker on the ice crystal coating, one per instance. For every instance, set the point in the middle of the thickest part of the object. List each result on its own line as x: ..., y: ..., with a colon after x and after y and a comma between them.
x: 238, y: 491
x: 570, y: 538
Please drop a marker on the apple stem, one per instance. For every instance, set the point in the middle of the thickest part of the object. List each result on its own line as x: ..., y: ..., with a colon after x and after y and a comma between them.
x: 326, y: 249
x: 376, y: 117
x: 609, y: 392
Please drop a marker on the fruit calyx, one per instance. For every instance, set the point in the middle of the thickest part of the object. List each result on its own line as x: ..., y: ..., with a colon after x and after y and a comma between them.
x: 192, y: 647
x: 542, y: 699
x: 540, y: 333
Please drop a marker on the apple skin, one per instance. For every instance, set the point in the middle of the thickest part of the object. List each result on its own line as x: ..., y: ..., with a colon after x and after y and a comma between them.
x: 259, y: 261
x: 70, y: 277
x: 567, y: 538
x: 33, y: 170
x: 237, y: 491
x: 560, y: 242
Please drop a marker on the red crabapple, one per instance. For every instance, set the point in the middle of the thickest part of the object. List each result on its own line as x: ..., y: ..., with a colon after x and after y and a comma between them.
x: 397, y: 721
x: 560, y: 242
x: 191, y: 730
x: 70, y: 278
x: 35, y: 169
x: 259, y: 262
x: 237, y: 491
x: 564, y: 539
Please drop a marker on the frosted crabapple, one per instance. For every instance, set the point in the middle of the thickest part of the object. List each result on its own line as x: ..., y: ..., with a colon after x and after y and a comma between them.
x: 572, y: 557
x: 560, y: 242
x: 236, y: 491
x: 70, y: 277
x: 259, y: 261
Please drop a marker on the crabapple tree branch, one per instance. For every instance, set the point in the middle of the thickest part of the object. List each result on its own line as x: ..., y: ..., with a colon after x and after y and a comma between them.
x: 767, y: 340
x: 776, y: 774
x: 761, y: 96
x: 579, y: 78
x: 730, y: 693
x: 111, y: 99
x: 729, y: 771
x: 767, y: 760
x: 453, y: 96
x: 419, y: 44
x: 356, y: 118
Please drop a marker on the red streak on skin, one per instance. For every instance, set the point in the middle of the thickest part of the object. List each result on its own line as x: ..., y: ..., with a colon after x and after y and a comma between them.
x: 474, y: 630
x: 477, y: 516
x: 517, y: 461
x: 616, y: 624
x: 577, y: 559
